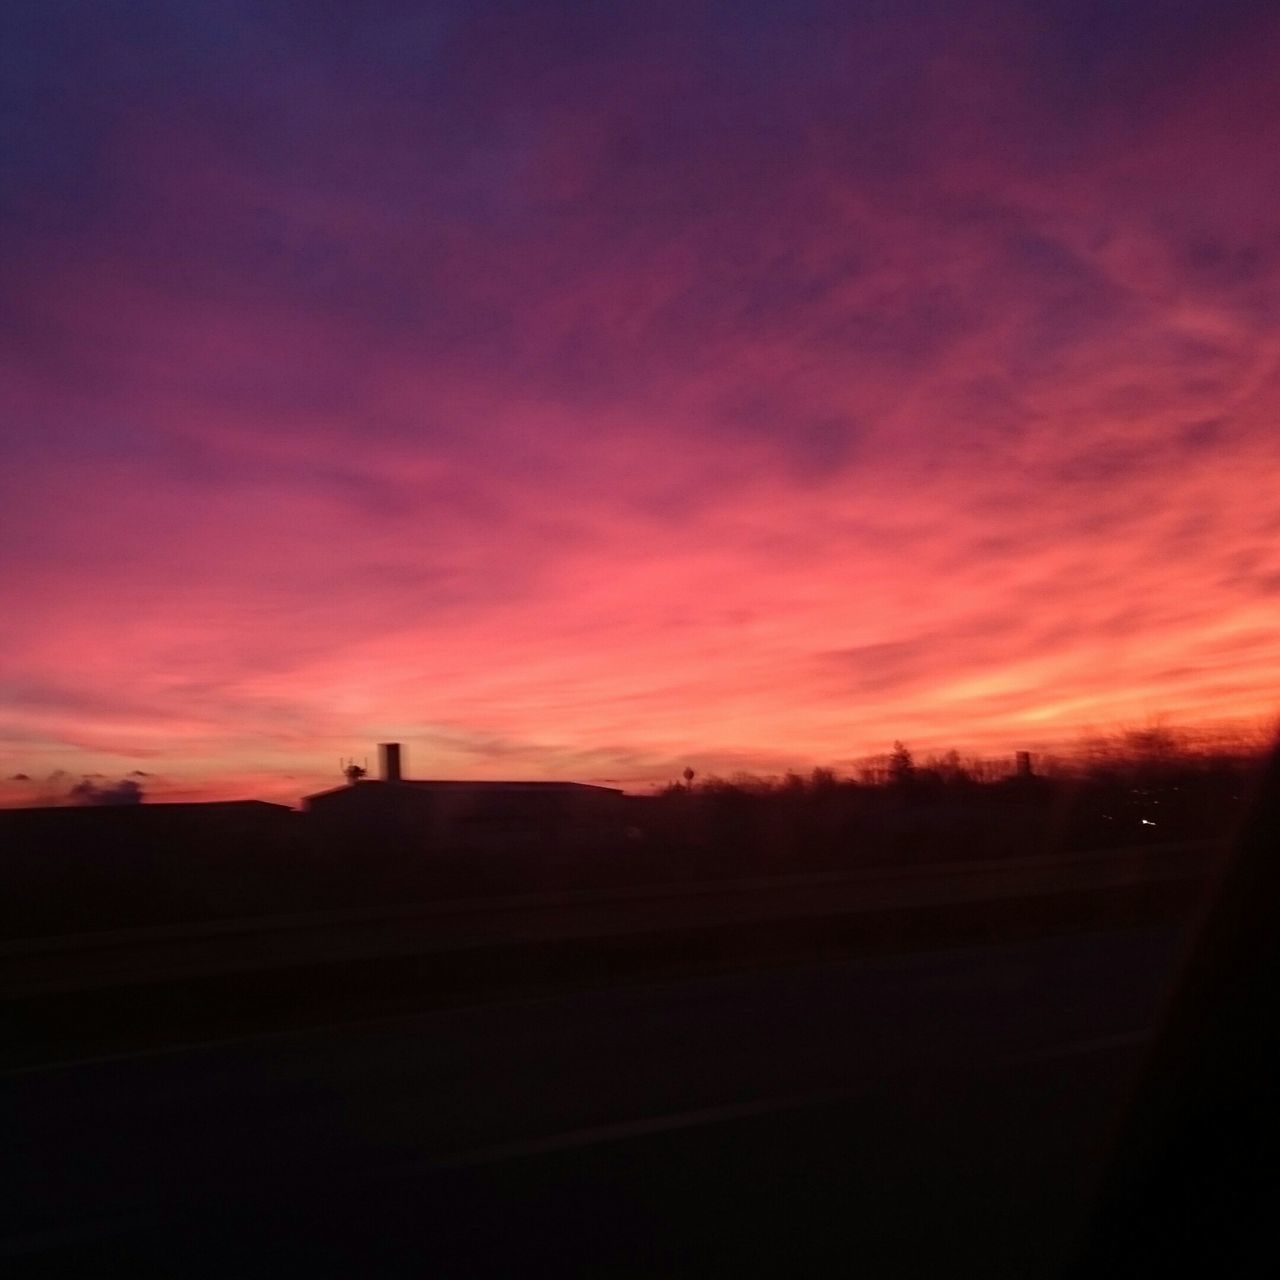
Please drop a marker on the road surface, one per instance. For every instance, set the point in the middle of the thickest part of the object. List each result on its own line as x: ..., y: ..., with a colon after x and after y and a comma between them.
x: 935, y: 1113
x: 78, y: 962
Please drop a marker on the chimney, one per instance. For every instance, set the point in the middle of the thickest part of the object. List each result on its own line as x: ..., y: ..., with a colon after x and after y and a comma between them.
x: 389, y: 761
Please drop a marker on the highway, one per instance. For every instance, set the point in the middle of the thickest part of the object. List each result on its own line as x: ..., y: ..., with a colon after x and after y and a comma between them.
x: 936, y: 1112
x: 48, y: 965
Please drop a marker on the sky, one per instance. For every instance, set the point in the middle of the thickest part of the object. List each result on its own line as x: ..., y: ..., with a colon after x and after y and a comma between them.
x: 586, y: 391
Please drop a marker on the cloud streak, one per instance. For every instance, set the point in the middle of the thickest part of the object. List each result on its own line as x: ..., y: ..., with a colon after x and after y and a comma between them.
x: 565, y: 393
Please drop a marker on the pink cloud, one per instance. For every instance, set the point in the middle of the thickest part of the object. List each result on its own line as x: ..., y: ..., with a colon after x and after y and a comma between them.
x: 569, y: 439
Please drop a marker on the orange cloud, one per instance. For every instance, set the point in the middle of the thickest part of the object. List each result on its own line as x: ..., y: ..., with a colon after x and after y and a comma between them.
x: 608, y: 405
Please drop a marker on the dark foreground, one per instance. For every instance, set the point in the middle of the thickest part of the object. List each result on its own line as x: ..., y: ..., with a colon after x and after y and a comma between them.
x: 932, y: 1113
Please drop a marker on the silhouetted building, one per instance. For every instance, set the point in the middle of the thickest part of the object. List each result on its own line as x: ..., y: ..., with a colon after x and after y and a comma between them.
x: 104, y: 865
x: 60, y: 829
x: 465, y: 815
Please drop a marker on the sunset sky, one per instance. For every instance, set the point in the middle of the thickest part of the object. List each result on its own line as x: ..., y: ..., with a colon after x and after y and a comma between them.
x: 587, y: 390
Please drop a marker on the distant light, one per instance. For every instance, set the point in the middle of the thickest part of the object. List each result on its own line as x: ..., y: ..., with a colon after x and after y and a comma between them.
x: 1146, y: 822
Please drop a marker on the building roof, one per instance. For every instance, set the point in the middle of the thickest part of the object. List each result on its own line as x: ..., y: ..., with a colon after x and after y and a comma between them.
x: 475, y: 788
x: 156, y: 807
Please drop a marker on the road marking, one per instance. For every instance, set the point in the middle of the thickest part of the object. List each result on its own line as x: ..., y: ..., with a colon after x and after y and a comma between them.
x: 869, y: 962
x: 1078, y: 1048
x: 32, y: 1242
x: 598, y: 1135
x: 35, y: 1242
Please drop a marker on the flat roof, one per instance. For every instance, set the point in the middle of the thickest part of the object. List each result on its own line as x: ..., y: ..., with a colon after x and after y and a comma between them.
x: 148, y: 806
x: 464, y: 786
